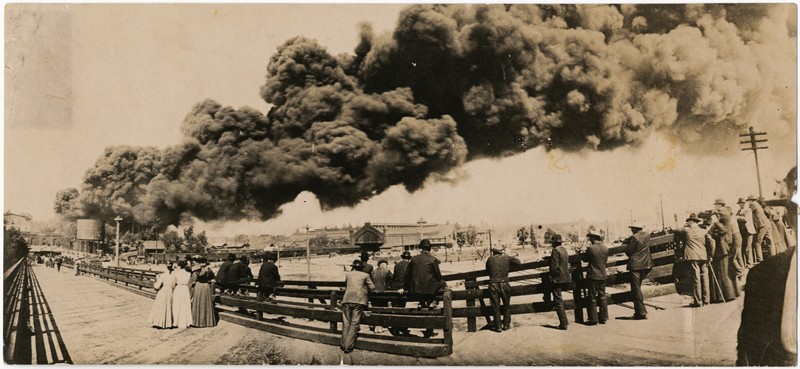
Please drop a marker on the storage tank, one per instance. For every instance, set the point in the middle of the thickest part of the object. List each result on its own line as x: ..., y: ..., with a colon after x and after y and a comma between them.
x: 89, y: 235
x: 90, y: 229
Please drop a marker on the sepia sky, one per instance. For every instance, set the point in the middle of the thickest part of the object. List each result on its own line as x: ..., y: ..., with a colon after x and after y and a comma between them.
x: 80, y: 78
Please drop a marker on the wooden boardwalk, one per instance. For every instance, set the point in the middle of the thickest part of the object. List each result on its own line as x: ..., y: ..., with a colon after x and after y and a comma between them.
x: 102, y: 323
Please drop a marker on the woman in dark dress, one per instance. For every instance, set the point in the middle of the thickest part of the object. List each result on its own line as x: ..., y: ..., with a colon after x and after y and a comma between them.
x: 202, y: 299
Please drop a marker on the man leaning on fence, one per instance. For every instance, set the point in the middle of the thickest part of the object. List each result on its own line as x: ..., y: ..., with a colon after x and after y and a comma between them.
x: 597, y: 256
x: 423, y: 278
x: 358, y: 284
x: 561, y: 277
x: 498, y: 265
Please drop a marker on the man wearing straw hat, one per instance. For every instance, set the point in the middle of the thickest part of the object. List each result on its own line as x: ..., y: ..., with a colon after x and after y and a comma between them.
x: 597, y: 256
x: 696, y: 254
x: 498, y: 265
x: 355, y: 299
x: 639, y: 265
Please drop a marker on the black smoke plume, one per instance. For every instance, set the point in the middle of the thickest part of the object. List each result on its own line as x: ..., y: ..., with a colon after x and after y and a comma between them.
x: 453, y: 83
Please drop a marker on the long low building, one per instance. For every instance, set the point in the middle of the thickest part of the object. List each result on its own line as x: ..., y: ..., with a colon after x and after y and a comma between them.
x: 402, y: 236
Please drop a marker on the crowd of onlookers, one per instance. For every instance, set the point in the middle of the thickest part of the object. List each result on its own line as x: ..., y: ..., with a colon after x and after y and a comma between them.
x: 718, y: 247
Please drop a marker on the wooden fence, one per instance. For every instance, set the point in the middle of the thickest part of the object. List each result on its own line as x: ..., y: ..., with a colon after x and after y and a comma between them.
x: 319, y: 321
x: 314, y: 304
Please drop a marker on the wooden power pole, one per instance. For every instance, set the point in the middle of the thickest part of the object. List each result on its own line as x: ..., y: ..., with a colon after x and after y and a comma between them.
x: 754, y: 146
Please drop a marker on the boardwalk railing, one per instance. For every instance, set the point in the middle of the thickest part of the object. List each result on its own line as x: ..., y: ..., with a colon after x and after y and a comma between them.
x: 30, y: 333
x: 314, y: 305
x: 319, y: 321
x: 16, y: 335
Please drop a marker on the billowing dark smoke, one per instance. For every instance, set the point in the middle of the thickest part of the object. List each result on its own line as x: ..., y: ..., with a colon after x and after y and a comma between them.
x: 456, y: 82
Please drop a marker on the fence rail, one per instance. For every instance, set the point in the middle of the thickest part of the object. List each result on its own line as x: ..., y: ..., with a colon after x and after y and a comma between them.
x: 317, y: 317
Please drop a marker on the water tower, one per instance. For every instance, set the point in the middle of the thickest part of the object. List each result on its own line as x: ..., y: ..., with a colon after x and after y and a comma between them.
x: 89, y: 235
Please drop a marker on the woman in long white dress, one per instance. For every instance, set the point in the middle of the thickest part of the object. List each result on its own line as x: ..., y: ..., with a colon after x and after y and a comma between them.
x: 181, y: 299
x: 161, y: 316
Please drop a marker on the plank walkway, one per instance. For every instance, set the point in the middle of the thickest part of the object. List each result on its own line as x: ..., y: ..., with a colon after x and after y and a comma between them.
x: 102, y: 323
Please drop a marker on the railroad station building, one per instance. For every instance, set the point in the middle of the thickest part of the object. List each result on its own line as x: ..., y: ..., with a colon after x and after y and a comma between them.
x: 402, y: 236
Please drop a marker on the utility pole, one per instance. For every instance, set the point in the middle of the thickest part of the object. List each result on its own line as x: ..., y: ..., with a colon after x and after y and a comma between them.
x: 117, y: 219
x: 661, y: 199
x: 754, y: 146
x: 308, y: 254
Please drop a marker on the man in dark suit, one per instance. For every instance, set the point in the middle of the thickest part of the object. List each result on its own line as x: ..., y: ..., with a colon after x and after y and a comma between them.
x: 597, y: 256
x: 498, y: 265
x: 222, y: 273
x: 399, y: 276
x: 237, y: 275
x: 560, y: 276
x: 423, y: 278
x: 398, y: 283
x: 269, y: 278
x: 639, y: 265
x: 364, y: 258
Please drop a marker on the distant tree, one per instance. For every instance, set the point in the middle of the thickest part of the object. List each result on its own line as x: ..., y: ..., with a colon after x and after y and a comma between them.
x: 195, y: 243
x: 522, y: 235
x: 172, y: 241
x: 471, y: 236
x: 547, y: 234
x: 14, y: 247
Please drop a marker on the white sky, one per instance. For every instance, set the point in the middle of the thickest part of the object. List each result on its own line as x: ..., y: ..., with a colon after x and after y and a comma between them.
x: 100, y: 75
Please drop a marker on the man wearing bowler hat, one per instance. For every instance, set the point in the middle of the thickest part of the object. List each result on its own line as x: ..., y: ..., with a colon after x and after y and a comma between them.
x: 696, y: 254
x: 560, y: 276
x: 639, y: 265
x: 398, y: 282
x: 597, y: 256
x: 423, y: 278
x: 498, y: 265
x: 364, y: 258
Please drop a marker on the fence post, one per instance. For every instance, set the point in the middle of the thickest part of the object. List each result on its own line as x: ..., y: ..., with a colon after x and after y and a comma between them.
x: 472, y: 322
x: 448, y: 316
x: 141, y: 279
x: 580, y: 293
x: 334, y: 325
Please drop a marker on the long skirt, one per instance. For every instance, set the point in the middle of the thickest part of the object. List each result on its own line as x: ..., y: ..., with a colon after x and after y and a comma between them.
x: 203, y: 306
x: 161, y: 316
x: 723, y: 288
x: 181, y: 306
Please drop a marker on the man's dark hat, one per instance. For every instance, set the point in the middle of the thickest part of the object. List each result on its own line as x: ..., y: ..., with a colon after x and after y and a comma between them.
x: 231, y: 257
x: 693, y: 218
x: 364, y: 255
x: 425, y: 244
x: 406, y: 254
x: 556, y: 238
x: 358, y: 264
x: 741, y: 200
